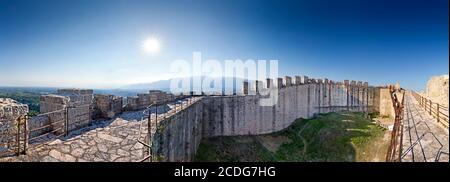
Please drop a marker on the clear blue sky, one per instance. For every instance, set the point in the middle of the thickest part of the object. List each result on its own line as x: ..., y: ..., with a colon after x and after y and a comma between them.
x: 97, y: 43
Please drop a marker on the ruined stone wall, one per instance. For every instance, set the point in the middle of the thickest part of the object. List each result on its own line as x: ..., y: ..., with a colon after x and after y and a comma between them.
x: 12, y: 121
x: 53, y: 122
x: 53, y: 110
x: 143, y: 100
x: 132, y: 103
x: 74, y: 105
x: 157, y: 96
x: 51, y: 102
x: 107, y: 106
x: 79, y: 107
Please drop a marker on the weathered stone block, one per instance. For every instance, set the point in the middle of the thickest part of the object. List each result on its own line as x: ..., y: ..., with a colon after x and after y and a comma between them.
x: 346, y: 82
x: 245, y: 87
x: 305, y: 80
x: 366, y: 84
x: 279, y: 83
x: 11, y: 109
x: 258, y: 86
x: 269, y: 83
x: 287, y: 81
x: 297, y: 80
x: 107, y: 105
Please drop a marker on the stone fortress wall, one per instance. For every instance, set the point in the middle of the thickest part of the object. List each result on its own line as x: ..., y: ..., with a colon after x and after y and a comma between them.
x: 178, y: 136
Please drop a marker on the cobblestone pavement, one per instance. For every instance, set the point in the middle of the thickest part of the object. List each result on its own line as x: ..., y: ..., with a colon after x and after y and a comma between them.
x: 424, y: 139
x: 113, y: 140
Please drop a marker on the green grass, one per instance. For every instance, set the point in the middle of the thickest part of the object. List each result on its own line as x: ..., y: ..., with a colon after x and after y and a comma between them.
x: 235, y: 149
x: 328, y: 137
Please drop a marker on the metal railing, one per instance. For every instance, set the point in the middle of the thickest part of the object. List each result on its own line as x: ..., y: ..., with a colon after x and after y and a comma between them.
x: 395, y: 145
x: 436, y: 110
x: 25, y: 137
x: 61, y: 130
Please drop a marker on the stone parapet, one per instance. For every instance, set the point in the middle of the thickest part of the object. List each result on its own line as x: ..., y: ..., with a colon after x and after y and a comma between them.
x: 51, y: 102
x: 11, y: 109
x: 107, y: 106
x: 12, y: 126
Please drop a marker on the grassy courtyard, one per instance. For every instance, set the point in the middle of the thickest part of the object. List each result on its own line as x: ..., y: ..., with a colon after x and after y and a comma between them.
x: 347, y: 136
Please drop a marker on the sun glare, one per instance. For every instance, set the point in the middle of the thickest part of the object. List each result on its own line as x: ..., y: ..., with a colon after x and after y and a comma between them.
x: 151, y: 45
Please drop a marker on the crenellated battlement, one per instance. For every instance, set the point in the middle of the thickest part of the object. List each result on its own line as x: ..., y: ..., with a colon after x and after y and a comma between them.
x: 257, y: 86
x: 242, y: 114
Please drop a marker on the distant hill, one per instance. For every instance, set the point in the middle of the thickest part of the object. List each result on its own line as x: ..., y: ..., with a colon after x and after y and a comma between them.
x: 158, y: 85
x: 165, y: 84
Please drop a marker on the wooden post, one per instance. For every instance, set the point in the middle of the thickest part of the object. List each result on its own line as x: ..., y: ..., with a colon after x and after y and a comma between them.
x: 156, y: 114
x: 430, y: 106
x: 437, y: 112
x: 66, y: 123
x: 425, y: 104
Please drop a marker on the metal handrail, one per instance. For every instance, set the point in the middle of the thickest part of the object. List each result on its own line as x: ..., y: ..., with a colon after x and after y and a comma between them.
x: 394, y: 155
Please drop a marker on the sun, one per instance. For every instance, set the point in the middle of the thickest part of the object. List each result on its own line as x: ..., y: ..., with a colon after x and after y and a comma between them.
x: 151, y: 45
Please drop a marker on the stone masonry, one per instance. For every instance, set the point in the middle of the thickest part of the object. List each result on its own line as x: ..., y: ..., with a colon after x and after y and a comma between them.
x: 142, y: 100
x: 11, y: 125
x: 158, y: 96
x: 74, y: 105
x: 178, y: 135
x: 79, y: 107
x: 108, y: 105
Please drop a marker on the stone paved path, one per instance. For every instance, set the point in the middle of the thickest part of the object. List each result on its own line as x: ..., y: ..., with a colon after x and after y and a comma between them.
x: 116, y: 142
x: 424, y: 139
